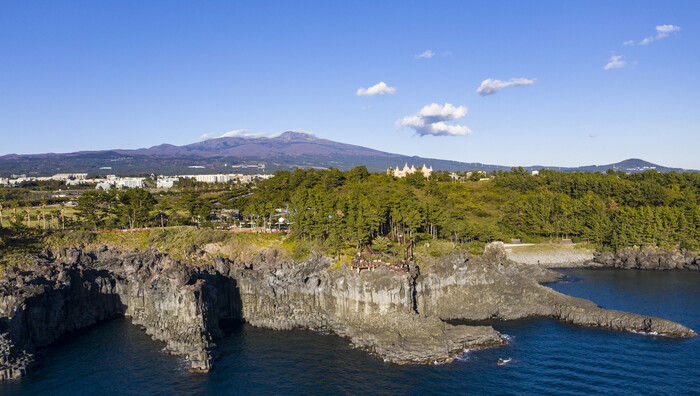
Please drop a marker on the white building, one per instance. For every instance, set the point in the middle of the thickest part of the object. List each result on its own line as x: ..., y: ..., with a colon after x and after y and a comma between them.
x: 252, y: 178
x: 130, y: 182
x: 120, y: 182
x: 166, y: 182
x: 104, y: 186
x: 217, y: 178
x: 407, y: 171
x: 69, y: 176
x: 75, y: 182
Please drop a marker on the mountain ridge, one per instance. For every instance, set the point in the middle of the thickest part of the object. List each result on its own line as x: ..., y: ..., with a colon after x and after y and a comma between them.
x: 288, y: 150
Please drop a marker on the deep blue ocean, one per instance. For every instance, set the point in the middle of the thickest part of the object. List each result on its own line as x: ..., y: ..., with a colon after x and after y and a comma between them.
x: 548, y: 357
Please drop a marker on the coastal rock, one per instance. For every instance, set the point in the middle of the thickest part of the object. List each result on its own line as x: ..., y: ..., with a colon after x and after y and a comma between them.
x: 375, y: 310
x: 492, y: 287
x: 648, y: 259
x: 401, y: 316
x: 180, y: 307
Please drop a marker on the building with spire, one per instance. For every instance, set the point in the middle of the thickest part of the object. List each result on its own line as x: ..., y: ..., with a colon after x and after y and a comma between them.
x: 407, y: 171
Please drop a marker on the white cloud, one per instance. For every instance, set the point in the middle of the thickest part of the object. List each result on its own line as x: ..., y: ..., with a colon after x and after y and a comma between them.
x: 426, y: 55
x: 379, y: 89
x: 615, y: 62
x: 628, y: 42
x: 243, y: 133
x: 430, y: 120
x: 237, y: 132
x: 490, y: 86
x: 662, y: 31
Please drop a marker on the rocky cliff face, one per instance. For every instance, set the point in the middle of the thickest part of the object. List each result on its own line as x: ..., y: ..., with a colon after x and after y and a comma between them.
x: 648, y: 259
x: 74, y: 289
x: 375, y: 310
x: 400, y: 316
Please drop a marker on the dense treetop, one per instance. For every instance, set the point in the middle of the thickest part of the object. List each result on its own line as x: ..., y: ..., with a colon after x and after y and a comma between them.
x: 356, y: 208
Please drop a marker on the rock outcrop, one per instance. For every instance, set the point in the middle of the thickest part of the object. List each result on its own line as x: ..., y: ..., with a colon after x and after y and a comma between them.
x: 400, y: 316
x: 492, y: 287
x: 648, y: 259
x: 375, y: 310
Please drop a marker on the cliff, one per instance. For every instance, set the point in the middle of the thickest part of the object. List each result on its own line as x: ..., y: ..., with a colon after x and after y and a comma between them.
x: 73, y: 289
x: 399, y: 316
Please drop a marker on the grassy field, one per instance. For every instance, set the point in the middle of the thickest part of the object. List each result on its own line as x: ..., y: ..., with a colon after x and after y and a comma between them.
x: 35, y: 216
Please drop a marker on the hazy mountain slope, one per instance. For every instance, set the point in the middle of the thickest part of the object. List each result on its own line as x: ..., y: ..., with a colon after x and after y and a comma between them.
x: 286, y: 151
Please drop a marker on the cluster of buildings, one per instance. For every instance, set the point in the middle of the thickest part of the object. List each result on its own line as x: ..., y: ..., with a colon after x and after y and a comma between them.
x: 407, y: 171
x: 112, y: 181
x: 166, y: 182
x: 71, y: 179
x: 223, y: 178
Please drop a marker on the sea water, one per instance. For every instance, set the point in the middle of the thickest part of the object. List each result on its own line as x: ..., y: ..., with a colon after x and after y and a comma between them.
x: 546, y: 356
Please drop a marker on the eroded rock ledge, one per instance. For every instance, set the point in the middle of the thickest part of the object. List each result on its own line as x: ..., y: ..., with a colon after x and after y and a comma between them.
x: 399, y: 316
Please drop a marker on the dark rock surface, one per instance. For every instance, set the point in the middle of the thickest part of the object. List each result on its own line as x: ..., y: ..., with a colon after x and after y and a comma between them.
x: 492, y: 287
x: 74, y: 289
x: 399, y: 316
x: 648, y: 259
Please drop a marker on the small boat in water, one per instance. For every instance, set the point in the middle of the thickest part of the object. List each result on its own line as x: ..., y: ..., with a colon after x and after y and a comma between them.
x: 502, y: 362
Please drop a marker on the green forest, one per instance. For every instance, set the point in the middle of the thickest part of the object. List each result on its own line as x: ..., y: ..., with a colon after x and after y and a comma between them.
x: 344, y: 209
x: 611, y: 210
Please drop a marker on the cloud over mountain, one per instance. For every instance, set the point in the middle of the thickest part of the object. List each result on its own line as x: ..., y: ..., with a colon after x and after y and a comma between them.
x: 237, y: 132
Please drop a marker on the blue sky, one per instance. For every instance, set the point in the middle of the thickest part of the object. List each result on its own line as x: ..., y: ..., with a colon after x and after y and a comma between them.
x: 127, y: 74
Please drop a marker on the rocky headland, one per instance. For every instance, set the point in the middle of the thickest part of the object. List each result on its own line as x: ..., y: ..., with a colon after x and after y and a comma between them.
x: 399, y: 316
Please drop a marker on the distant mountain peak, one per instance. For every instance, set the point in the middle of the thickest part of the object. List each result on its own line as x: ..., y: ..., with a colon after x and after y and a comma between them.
x: 288, y: 150
x: 296, y: 135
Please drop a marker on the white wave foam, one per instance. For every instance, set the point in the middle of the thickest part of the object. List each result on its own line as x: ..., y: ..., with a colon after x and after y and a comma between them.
x: 651, y: 333
x: 464, y: 356
x: 507, y: 337
x: 502, y: 362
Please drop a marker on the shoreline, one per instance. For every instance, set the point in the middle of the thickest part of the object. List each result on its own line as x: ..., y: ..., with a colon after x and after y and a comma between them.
x: 402, y: 317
